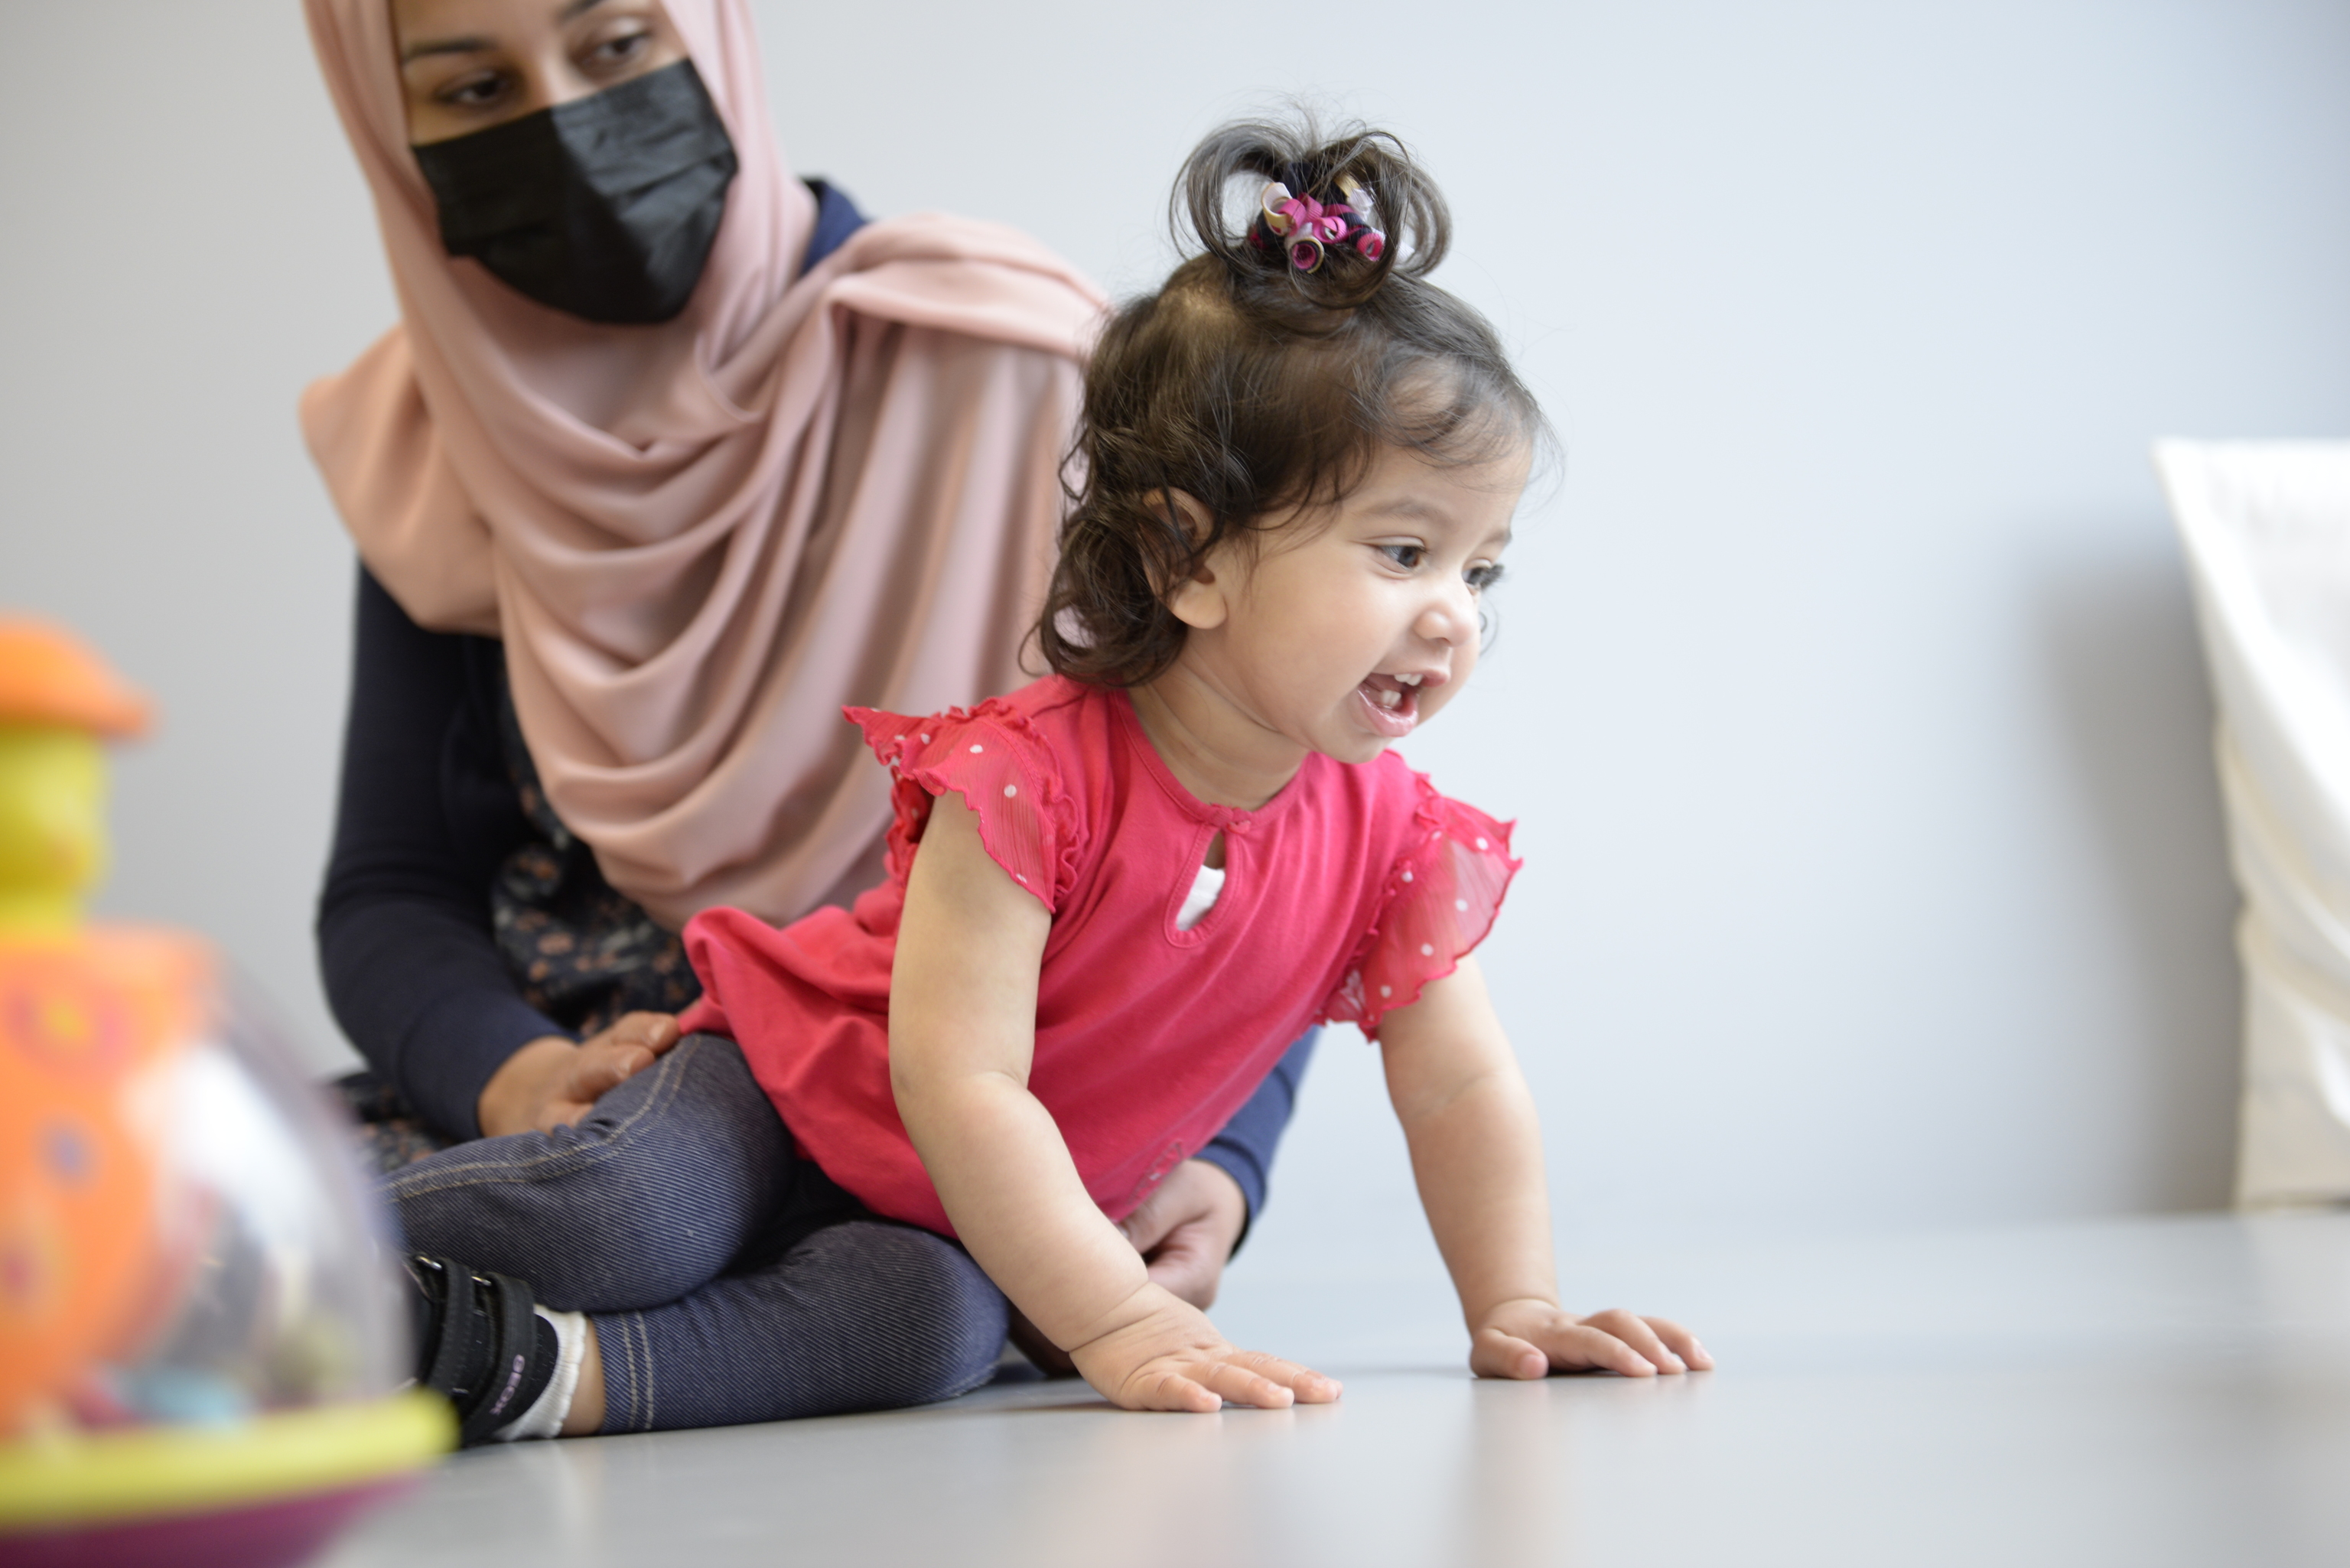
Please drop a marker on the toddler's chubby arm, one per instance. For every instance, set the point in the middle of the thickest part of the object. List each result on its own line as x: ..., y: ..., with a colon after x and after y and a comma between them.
x: 963, y: 1030
x: 1476, y: 1152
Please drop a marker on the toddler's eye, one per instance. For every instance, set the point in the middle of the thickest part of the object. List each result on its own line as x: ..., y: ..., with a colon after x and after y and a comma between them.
x: 1408, y: 556
x: 1482, y: 576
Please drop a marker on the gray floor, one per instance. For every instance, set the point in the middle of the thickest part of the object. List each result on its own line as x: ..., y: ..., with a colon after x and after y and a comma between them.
x: 2142, y: 1393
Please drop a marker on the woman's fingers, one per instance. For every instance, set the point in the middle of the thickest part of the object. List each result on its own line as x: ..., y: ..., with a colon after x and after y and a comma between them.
x: 1185, y: 1264
x: 578, y: 1076
x: 633, y: 1040
x: 1185, y: 1230
x: 656, y: 1032
x: 611, y: 1057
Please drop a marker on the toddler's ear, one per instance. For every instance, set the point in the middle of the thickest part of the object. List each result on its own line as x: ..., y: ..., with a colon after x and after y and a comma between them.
x: 1198, y: 600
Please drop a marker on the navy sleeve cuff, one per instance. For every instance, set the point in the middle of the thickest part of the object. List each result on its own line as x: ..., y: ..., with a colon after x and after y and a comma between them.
x: 1244, y: 1149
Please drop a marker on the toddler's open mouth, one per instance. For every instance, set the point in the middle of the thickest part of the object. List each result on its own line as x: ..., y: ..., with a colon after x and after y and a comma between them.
x: 1392, y: 703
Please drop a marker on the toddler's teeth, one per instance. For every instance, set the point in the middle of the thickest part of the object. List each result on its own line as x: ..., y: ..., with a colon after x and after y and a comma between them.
x: 1389, y: 699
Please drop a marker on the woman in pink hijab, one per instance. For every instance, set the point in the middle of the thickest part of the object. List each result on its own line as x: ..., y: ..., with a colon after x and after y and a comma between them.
x: 670, y: 457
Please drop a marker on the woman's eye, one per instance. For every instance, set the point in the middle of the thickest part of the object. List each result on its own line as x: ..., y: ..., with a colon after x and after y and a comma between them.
x: 1482, y: 576
x: 1408, y: 556
x: 477, y: 91
x: 605, y: 54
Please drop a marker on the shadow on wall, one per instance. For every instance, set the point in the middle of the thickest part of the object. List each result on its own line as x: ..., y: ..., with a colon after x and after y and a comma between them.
x: 2125, y: 675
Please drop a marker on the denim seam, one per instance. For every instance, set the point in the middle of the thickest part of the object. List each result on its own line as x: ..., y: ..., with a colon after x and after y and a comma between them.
x: 613, y: 1332
x: 448, y: 1177
x: 640, y: 1372
x: 652, y: 1386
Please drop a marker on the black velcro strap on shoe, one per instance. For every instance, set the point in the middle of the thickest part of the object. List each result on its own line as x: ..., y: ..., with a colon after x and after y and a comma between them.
x: 450, y: 1287
x: 518, y: 1374
x: 486, y: 1352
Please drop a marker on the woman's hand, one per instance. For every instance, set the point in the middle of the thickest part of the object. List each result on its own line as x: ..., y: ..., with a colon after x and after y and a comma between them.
x: 1186, y: 1230
x: 1166, y: 1356
x: 552, y: 1083
x: 1536, y: 1338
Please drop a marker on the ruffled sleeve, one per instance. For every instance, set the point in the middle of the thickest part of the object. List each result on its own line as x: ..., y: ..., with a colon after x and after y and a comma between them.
x: 994, y: 759
x: 1441, y: 897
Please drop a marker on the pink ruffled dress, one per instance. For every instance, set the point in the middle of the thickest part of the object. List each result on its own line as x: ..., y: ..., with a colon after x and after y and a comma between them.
x: 1343, y: 896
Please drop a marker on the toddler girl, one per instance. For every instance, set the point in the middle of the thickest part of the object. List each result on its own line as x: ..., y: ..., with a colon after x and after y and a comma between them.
x: 1114, y: 898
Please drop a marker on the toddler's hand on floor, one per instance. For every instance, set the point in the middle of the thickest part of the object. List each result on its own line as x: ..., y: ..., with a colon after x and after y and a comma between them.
x: 1168, y: 1356
x: 1535, y: 1338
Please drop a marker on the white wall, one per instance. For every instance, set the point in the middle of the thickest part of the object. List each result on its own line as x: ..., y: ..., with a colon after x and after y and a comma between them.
x: 1846, y: 690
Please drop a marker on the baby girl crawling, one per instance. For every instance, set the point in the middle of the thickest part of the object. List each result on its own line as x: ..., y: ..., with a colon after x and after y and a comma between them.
x: 1115, y: 896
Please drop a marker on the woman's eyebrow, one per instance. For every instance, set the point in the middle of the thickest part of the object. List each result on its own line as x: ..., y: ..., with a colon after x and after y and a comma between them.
x: 431, y: 47
x: 475, y: 46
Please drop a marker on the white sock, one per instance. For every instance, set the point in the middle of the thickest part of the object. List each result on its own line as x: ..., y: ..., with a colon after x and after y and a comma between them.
x: 544, y: 1417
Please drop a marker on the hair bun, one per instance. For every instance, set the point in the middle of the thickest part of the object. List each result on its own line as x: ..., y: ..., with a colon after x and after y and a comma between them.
x: 1329, y: 217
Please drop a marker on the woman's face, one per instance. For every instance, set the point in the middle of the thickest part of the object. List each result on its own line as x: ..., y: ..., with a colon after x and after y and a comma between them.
x: 467, y: 64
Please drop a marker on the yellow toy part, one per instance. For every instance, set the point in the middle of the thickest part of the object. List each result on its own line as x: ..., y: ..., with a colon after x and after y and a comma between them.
x: 52, y: 824
x: 56, y: 699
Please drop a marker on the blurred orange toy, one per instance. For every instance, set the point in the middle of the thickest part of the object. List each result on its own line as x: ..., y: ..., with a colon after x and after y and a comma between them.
x: 200, y: 1354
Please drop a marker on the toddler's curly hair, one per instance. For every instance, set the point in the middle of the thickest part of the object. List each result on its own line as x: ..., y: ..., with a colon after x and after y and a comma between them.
x: 1260, y: 390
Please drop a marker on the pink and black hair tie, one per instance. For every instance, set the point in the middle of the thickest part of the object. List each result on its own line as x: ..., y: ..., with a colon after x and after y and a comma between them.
x: 1307, y: 230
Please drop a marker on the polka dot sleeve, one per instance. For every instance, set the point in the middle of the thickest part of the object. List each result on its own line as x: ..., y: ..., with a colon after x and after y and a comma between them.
x: 989, y: 756
x: 1441, y: 897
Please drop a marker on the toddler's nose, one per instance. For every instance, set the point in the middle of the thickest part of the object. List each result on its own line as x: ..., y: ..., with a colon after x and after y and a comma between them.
x: 1451, y: 619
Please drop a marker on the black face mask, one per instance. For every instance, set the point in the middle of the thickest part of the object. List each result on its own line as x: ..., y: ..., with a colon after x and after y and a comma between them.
x: 604, y: 207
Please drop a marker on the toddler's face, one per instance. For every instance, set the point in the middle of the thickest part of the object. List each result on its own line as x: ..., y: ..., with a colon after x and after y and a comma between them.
x: 1351, y: 628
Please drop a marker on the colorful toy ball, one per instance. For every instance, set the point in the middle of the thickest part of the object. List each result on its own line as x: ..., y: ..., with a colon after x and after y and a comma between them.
x: 201, y: 1350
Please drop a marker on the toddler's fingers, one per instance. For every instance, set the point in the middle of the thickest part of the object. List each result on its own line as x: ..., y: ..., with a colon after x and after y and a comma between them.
x: 1168, y: 1390
x: 1493, y: 1353
x: 1571, y: 1347
x: 1636, y: 1331
x: 1242, y: 1386
x: 1311, y: 1388
x: 1683, y: 1344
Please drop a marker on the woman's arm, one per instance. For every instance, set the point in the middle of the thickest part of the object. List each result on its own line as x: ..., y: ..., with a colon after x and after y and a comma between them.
x: 425, y: 816
x: 1476, y: 1152
x: 1244, y: 1149
x: 962, y: 1017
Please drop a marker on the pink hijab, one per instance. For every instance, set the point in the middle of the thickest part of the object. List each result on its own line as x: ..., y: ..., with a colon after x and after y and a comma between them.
x: 700, y: 540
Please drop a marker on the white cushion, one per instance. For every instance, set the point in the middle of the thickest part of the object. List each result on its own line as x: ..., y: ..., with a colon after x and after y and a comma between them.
x: 2267, y: 530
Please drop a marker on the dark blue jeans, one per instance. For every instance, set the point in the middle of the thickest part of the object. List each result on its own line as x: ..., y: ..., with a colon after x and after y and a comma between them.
x: 729, y: 1280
